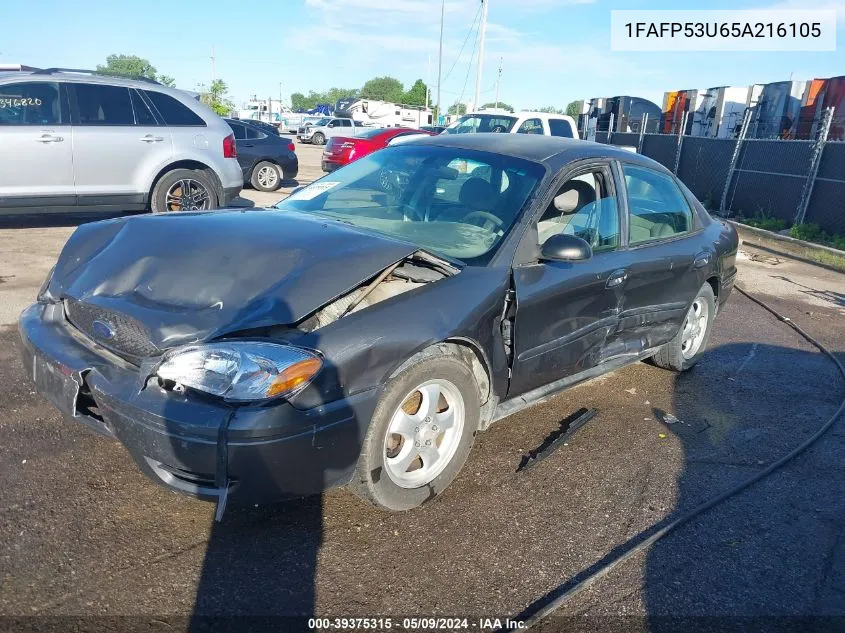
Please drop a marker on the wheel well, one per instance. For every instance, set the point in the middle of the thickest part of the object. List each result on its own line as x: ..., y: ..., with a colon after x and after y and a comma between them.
x: 464, y: 350
x: 714, y: 283
x: 186, y: 164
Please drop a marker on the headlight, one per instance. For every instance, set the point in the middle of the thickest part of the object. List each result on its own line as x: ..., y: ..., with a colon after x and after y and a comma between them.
x: 242, y: 371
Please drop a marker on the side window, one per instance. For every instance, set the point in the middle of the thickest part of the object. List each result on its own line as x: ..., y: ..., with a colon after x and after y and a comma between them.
x: 100, y: 104
x: 658, y: 208
x: 585, y: 207
x: 345, y: 123
x: 239, y: 130
x: 31, y: 103
x: 252, y: 133
x: 172, y: 111
x: 143, y: 115
x: 531, y: 126
x: 560, y: 127
x: 332, y: 124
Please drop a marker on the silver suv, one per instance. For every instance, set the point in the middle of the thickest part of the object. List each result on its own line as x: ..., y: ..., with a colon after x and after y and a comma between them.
x: 85, y: 142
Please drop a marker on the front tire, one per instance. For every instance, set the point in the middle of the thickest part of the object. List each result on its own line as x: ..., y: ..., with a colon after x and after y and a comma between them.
x: 183, y: 190
x: 689, y: 344
x: 318, y: 139
x: 266, y: 176
x: 421, y: 434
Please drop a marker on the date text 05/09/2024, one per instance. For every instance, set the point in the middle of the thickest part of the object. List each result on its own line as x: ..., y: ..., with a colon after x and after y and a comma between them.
x: 414, y: 623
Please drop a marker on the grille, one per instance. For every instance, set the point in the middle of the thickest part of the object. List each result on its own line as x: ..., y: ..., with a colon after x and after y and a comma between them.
x: 129, y: 339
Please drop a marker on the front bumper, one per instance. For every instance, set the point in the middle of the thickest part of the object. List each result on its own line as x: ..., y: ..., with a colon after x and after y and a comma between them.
x: 187, y: 442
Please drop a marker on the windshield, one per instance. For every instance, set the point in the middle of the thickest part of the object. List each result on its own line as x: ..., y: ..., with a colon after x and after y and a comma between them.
x: 455, y: 202
x: 482, y: 123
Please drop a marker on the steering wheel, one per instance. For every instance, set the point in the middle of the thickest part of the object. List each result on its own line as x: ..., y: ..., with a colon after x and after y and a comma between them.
x: 491, y: 222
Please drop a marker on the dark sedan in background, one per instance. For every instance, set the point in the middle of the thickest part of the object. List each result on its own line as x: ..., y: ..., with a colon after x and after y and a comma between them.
x: 266, y: 159
x: 362, y: 336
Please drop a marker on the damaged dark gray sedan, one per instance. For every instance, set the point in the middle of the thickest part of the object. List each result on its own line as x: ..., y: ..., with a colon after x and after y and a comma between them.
x: 363, y: 331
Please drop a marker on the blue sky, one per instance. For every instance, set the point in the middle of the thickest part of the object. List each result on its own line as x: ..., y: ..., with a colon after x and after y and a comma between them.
x: 552, y: 51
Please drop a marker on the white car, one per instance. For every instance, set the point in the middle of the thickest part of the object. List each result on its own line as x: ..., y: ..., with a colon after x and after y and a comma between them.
x: 515, y: 123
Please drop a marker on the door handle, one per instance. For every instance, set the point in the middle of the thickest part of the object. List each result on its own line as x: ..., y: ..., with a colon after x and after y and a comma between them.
x: 247, y: 145
x: 49, y: 138
x: 617, y: 278
x: 149, y: 138
x: 701, y: 260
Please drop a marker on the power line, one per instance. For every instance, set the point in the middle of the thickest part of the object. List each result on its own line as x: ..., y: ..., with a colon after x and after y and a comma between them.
x: 469, y: 70
x: 466, y: 39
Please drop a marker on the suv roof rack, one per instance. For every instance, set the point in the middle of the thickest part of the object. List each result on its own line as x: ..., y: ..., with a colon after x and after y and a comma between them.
x: 53, y: 71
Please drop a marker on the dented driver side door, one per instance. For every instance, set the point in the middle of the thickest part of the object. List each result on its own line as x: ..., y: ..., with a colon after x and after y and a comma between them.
x: 568, y: 312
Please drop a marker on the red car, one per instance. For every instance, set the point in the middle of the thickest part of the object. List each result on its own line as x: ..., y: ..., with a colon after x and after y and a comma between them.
x: 342, y: 150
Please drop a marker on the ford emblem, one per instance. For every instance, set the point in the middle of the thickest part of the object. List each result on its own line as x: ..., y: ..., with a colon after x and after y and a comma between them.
x: 103, y: 330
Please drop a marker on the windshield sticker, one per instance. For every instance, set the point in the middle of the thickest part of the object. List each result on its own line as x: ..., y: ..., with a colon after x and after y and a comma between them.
x: 312, y: 191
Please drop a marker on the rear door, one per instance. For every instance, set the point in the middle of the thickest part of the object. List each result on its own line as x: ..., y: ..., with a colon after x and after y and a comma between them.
x: 118, y: 145
x: 665, y: 257
x: 35, y: 137
x: 567, y: 312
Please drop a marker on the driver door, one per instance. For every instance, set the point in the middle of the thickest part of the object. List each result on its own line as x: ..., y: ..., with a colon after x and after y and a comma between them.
x: 568, y: 312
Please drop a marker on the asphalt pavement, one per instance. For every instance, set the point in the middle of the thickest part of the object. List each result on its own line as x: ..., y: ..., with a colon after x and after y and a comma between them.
x: 83, y: 533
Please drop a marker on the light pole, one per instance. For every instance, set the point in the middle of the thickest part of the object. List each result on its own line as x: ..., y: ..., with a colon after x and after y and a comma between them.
x: 440, y: 58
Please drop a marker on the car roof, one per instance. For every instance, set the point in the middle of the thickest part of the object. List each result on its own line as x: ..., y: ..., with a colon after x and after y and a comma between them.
x: 89, y: 78
x: 552, y: 150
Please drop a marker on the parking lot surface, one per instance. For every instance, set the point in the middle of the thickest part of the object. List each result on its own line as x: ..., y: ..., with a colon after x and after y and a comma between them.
x: 82, y: 532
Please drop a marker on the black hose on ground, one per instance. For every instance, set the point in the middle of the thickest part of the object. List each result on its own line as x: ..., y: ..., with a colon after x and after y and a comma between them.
x: 553, y: 600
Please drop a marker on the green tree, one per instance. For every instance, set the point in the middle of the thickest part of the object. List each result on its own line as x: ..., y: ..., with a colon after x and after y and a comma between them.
x: 458, y: 108
x: 217, y: 98
x: 383, y: 89
x: 504, y: 106
x: 133, y: 66
x: 299, y: 101
x: 416, y: 94
x: 550, y: 110
x: 573, y: 108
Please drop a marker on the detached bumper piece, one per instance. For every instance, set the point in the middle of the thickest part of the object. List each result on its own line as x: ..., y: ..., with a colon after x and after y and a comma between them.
x: 192, y: 443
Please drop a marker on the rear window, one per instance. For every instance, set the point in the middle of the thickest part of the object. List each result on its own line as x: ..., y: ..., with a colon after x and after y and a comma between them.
x: 104, y: 105
x: 172, y: 111
x: 560, y: 127
x: 372, y: 133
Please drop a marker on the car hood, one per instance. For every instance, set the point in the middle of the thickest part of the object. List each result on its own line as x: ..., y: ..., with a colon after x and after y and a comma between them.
x: 193, y: 277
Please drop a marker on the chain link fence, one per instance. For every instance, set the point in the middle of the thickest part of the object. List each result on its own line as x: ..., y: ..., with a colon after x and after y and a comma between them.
x: 791, y: 180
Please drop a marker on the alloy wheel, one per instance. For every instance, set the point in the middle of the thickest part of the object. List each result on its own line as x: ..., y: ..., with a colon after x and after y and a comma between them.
x: 695, y: 327
x: 424, y: 434
x: 187, y: 194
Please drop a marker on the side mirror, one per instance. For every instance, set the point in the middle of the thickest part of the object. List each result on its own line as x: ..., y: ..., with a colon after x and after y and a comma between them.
x: 565, y: 248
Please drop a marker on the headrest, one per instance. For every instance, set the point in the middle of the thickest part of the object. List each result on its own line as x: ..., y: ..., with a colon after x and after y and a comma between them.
x: 478, y: 194
x: 577, y: 194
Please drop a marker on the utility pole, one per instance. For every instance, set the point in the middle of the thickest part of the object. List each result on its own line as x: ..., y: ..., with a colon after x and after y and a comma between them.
x: 427, y: 79
x: 498, y: 79
x: 280, y: 98
x: 482, y: 30
x: 440, y: 59
x: 213, y: 74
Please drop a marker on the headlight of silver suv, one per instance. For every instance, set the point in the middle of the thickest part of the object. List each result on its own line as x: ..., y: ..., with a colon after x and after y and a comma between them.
x: 241, y: 371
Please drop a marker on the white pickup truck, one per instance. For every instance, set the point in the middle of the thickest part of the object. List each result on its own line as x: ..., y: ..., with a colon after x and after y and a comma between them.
x: 515, y: 123
x: 319, y: 132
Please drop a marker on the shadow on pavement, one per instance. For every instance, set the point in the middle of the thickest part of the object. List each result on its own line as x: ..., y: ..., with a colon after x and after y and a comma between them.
x: 49, y: 220
x: 768, y: 552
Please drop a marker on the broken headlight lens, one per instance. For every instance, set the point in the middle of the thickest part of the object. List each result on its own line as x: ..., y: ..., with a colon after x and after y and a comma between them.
x: 42, y: 291
x: 241, y: 371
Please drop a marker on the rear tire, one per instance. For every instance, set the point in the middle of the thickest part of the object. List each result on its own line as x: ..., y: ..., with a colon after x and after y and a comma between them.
x: 318, y: 139
x: 183, y: 190
x: 685, y: 350
x: 406, y: 458
x: 266, y: 176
